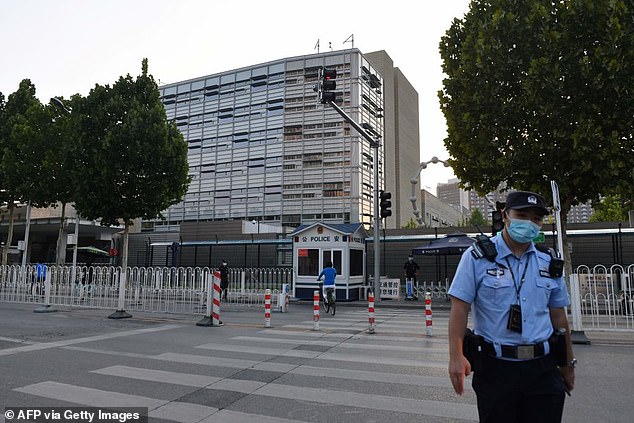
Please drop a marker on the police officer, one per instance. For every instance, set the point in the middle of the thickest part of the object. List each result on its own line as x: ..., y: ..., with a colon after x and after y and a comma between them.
x: 517, y: 303
x: 224, y: 280
x: 410, y: 269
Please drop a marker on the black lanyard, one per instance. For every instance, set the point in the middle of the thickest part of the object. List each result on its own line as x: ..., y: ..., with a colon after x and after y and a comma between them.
x: 518, y: 288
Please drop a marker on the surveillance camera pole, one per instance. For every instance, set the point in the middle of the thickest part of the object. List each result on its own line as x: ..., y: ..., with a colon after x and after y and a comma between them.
x: 375, y: 144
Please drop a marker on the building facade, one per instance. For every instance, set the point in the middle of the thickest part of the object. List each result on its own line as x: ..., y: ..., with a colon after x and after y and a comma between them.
x: 262, y: 147
x: 580, y: 213
x: 402, y: 137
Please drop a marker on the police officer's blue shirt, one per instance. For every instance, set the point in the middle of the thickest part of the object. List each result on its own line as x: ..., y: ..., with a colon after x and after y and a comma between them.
x: 329, y: 274
x: 490, y: 290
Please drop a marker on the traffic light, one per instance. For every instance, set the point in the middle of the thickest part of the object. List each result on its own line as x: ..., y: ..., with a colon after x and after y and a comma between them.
x: 385, y: 204
x: 328, y: 85
x: 496, y: 218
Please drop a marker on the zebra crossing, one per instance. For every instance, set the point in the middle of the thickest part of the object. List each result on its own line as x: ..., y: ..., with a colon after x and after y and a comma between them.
x: 285, y: 374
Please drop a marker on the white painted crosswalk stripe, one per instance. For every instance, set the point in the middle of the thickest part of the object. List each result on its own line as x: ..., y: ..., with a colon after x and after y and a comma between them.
x: 187, y: 412
x: 282, y: 352
x: 293, y: 360
x: 368, y: 376
x: 334, y: 356
x: 229, y: 416
x: 224, y: 362
x: 185, y: 379
x: 163, y: 409
x: 346, y: 345
x: 377, y: 402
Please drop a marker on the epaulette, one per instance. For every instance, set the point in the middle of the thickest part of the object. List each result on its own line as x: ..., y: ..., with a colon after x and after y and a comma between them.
x: 556, y: 266
x: 484, y: 248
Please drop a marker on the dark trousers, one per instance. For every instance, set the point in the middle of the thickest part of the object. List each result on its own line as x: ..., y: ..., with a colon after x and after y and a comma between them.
x: 519, y: 391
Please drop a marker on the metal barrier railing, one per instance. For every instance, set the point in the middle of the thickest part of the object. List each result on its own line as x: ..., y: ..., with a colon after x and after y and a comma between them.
x: 152, y: 289
x: 606, y: 296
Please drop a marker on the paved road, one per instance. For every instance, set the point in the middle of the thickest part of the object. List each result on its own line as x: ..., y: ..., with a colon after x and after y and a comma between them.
x: 242, y: 372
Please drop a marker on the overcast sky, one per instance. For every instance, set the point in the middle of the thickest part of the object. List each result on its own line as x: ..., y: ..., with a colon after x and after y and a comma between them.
x: 66, y: 46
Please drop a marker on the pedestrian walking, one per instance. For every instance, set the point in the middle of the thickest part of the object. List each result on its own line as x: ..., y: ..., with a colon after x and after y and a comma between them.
x: 520, y: 349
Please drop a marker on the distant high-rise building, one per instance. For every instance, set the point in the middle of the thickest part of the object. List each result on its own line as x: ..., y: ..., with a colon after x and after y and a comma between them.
x: 452, y: 194
x: 580, y: 213
x: 262, y: 147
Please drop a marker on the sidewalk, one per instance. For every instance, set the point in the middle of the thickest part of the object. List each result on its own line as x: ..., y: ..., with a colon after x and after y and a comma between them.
x: 611, y: 337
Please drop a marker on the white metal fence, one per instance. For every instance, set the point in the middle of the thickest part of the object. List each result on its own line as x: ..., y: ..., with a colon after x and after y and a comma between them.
x: 606, y: 296
x: 152, y: 289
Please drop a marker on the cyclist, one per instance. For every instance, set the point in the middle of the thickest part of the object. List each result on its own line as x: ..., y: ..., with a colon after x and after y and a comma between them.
x: 329, y: 274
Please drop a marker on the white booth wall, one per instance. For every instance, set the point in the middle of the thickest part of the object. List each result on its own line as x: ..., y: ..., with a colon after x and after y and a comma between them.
x: 317, y: 244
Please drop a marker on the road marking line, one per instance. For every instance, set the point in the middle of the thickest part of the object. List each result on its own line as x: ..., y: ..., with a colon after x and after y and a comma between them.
x: 163, y: 409
x: 64, y: 343
x: 450, y: 410
x: 185, y: 379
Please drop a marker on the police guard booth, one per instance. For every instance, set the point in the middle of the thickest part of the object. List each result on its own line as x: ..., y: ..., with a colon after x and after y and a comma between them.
x: 316, y: 244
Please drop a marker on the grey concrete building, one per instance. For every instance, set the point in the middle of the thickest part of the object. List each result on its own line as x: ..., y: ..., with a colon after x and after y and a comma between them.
x: 261, y: 146
x: 402, y: 137
x: 580, y: 213
x: 451, y: 193
x: 437, y: 213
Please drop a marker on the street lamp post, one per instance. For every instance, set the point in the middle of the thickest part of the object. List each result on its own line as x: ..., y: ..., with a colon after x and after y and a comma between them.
x: 27, y: 230
x: 257, y: 222
x: 414, y: 181
x: 375, y: 143
x: 60, y: 105
x: 74, y: 271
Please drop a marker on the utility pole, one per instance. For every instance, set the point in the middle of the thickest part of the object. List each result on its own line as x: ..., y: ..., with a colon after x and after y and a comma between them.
x: 325, y: 89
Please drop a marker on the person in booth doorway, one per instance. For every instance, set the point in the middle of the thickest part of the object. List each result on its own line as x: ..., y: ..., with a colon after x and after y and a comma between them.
x: 224, y: 280
x: 520, y: 349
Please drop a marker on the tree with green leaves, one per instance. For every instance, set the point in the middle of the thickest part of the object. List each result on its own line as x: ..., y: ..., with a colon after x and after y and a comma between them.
x: 59, y: 164
x: 610, y: 209
x: 411, y: 224
x: 539, y: 91
x: 24, y: 145
x: 133, y: 161
x: 476, y: 219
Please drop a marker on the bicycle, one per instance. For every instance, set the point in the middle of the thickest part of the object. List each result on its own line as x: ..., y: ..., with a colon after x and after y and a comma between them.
x: 329, y: 303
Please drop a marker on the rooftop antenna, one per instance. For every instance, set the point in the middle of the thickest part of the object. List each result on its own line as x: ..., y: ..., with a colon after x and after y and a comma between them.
x: 350, y: 39
x: 316, y: 46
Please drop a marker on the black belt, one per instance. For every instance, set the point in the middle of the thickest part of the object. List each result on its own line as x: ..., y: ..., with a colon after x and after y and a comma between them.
x: 520, y: 352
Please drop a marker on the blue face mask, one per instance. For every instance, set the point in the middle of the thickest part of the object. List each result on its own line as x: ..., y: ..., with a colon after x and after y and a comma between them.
x: 523, y: 231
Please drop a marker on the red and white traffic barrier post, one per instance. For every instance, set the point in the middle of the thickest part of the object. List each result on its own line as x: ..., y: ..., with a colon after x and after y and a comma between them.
x: 212, y: 316
x: 428, y: 321
x: 371, y: 312
x: 267, y: 308
x: 315, y: 310
x: 215, y: 312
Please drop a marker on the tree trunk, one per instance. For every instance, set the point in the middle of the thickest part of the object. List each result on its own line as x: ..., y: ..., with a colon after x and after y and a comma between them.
x: 7, y: 244
x: 631, y: 218
x: 60, y: 253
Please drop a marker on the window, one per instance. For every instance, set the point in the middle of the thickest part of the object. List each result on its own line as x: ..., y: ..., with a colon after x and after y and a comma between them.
x: 308, y: 262
x: 356, y: 262
x: 333, y: 256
